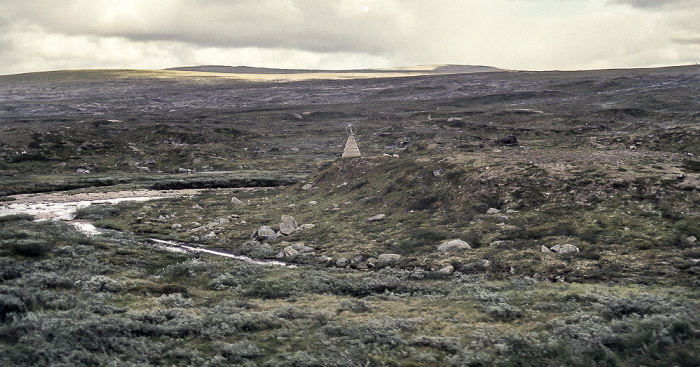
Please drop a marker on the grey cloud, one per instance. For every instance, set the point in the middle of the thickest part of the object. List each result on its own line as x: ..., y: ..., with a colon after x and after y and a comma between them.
x: 323, y: 26
x: 656, y: 3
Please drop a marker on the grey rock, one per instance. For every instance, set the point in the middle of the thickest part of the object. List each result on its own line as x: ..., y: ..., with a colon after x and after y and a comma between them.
x: 290, y: 251
x: 306, y: 226
x: 362, y: 265
x: 447, y: 270
x: 692, y: 239
x: 509, y: 140
x: 236, y: 201
x: 308, y: 186
x: 545, y: 250
x: 264, y: 233
x: 82, y: 170
x: 325, y: 259
x: 486, y: 263
x: 372, y: 261
x: 184, y: 170
x: 210, y: 235
x: 453, y: 246
x: 565, y: 249
x: 389, y: 257
x: 342, y: 262
x: 438, y: 172
x: 145, y: 169
x: 288, y: 225
x: 176, y: 226
x: 492, y: 211
x: 376, y: 218
x: 195, y: 206
x: 500, y: 244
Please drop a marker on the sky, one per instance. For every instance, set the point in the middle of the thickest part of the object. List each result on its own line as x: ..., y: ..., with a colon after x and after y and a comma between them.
x: 41, y: 35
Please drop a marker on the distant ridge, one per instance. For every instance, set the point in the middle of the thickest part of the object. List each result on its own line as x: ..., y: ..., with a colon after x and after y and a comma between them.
x: 423, y: 69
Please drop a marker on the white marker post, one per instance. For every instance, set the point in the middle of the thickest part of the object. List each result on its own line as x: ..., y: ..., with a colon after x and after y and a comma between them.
x: 351, y: 149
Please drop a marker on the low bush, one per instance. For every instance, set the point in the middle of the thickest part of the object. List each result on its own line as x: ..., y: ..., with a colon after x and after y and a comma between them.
x: 97, y: 211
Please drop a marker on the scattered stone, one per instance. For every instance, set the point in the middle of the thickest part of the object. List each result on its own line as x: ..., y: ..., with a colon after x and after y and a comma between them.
x: 692, y: 239
x: 376, y: 218
x: 308, y: 186
x: 453, y: 246
x: 288, y: 225
x: 389, y: 257
x: 341, y: 262
x: 447, y: 270
x: 492, y: 211
x: 290, y: 251
x: 509, y: 140
x: 438, y: 172
x: 176, y: 226
x: 264, y: 233
x: 545, y: 250
x: 162, y: 218
x: 312, y: 203
x: 82, y: 170
x: 306, y: 226
x: 144, y: 169
x: 486, y: 263
x: 565, y: 249
x: 500, y: 244
x: 210, y: 235
x: 195, y: 206
x: 184, y: 170
x: 236, y: 201
x: 325, y: 259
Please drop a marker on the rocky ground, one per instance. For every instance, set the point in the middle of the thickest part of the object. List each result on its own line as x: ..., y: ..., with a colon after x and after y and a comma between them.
x: 494, y: 217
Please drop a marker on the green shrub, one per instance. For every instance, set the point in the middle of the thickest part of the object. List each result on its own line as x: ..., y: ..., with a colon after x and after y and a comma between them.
x: 9, y: 306
x: 16, y: 218
x: 175, y: 300
x: 31, y: 247
x: 503, y: 311
x: 97, y: 211
x: 354, y: 305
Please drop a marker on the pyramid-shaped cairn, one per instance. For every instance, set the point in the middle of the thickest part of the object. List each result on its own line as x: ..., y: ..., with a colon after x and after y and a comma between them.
x: 351, y: 149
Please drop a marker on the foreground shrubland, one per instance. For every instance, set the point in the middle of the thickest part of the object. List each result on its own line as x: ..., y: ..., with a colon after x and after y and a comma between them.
x: 113, y: 300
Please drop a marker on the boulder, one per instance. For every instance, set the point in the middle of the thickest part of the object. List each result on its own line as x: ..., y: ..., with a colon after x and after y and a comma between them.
x: 176, y: 226
x: 509, y: 140
x: 264, y: 233
x: 236, y: 201
x: 376, y: 218
x: 210, y: 235
x: 545, y: 250
x: 288, y: 225
x: 447, y: 270
x: 341, y: 262
x: 565, y: 249
x: 290, y: 251
x: 492, y: 211
x: 453, y: 246
x: 389, y: 257
x: 308, y: 186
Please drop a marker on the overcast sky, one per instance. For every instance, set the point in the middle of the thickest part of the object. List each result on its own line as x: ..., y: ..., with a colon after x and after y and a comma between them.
x: 38, y: 35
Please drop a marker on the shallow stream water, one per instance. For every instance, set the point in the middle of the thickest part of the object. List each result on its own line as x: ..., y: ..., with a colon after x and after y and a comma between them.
x: 48, y: 210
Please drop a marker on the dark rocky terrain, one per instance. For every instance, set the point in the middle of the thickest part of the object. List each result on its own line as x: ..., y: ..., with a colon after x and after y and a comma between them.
x: 495, y: 218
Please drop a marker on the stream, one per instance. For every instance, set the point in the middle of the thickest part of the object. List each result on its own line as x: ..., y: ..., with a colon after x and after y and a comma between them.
x: 52, y: 207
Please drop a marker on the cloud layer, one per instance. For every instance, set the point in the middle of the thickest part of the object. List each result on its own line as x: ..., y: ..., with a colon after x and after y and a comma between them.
x: 516, y: 34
